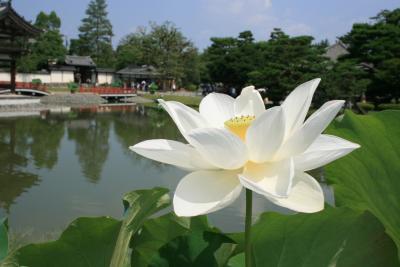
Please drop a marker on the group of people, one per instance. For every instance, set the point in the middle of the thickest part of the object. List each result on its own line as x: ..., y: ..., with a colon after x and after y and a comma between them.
x: 145, y: 86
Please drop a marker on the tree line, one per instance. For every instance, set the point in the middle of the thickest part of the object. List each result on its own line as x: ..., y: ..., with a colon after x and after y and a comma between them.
x: 279, y: 63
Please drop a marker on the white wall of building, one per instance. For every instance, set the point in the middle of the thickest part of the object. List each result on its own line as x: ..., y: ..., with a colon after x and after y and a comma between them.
x: 61, y: 76
x: 105, y: 78
x: 53, y: 77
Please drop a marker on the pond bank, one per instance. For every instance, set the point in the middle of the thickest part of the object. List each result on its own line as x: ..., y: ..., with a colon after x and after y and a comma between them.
x: 16, y: 105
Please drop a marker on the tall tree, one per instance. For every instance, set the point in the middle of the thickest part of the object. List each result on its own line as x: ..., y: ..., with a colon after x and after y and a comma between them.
x: 95, y: 35
x: 164, y: 47
x: 377, y: 44
x: 278, y: 64
x: 48, y: 46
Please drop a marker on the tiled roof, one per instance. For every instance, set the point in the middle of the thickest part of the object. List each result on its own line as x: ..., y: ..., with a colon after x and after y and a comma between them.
x: 84, y: 61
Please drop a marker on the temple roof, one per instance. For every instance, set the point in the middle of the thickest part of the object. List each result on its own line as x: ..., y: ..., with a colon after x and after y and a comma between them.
x: 12, y: 24
x: 81, y: 61
x: 144, y: 71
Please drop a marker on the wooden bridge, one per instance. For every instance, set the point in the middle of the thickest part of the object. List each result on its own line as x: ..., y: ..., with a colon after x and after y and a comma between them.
x: 41, y: 90
x: 109, y: 92
x: 24, y: 88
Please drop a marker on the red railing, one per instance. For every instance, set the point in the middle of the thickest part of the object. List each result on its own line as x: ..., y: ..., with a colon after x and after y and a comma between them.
x: 106, y: 90
x: 23, y: 85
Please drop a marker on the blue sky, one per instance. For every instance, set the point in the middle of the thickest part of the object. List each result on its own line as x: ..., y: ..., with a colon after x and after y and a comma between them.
x: 201, y: 19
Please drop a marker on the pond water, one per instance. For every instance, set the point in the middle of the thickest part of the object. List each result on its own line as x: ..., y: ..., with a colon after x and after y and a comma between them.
x: 57, y: 167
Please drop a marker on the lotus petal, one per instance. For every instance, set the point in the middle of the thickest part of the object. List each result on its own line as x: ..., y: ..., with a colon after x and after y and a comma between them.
x: 217, y: 108
x: 306, y: 195
x: 272, y: 179
x: 249, y: 103
x: 220, y: 147
x: 203, y: 192
x: 172, y: 152
x: 325, y: 149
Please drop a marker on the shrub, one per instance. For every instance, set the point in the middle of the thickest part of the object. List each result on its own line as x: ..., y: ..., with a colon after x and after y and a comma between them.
x: 36, y: 81
x: 117, y: 83
x: 366, y: 106
x: 192, y: 87
x: 73, y: 87
x: 389, y: 106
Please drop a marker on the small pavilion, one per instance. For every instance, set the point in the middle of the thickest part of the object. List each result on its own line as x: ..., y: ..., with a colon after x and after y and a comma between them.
x: 15, y: 35
x: 138, y: 74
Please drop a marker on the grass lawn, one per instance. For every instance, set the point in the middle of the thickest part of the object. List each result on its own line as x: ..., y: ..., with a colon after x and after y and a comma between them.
x: 193, y: 101
x: 58, y: 89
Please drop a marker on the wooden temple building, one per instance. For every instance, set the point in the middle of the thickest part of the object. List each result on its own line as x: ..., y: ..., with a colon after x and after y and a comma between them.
x: 15, y: 34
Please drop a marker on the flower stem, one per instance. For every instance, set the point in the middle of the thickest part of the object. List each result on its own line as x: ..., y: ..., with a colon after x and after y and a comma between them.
x: 247, y: 235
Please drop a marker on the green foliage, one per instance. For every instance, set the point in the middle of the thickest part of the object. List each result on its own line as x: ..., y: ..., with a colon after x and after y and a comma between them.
x: 139, y: 205
x: 73, y: 87
x: 368, y: 178
x: 36, y: 81
x: 279, y: 64
x: 86, y: 242
x: 346, y: 80
x: 173, y: 241
x: 389, y: 106
x: 48, y: 46
x: 366, y: 106
x: 95, y: 35
x: 156, y: 233
x: 117, y: 83
x: 164, y: 47
x: 378, y: 45
x: 333, y: 237
x: 3, y: 239
x: 48, y: 21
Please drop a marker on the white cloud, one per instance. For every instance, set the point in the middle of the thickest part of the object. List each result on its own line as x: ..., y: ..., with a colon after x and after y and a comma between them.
x: 267, y: 3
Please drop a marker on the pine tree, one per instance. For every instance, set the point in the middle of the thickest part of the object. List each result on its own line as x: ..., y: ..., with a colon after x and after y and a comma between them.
x: 95, y: 34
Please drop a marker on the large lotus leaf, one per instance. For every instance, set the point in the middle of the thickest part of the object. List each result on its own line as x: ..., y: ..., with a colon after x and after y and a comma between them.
x: 86, y: 242
x: 337, y: 237
x: 369, y: 178
x: 197, y: 249
x: 139, y: 205
x: 3, y: 239
x: 154, y: 234
x: 177, y: 241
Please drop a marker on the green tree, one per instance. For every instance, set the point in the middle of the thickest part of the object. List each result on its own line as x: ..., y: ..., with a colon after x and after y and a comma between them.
x: 278, y: 64
x: 164, y: 47
x: 287, y: 62
x: 377, y: 45
x: 48, y: 46
x: 95, y: 35
x: 345, y: 80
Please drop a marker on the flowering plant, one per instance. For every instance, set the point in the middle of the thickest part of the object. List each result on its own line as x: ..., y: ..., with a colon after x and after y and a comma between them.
x: 236, y: 143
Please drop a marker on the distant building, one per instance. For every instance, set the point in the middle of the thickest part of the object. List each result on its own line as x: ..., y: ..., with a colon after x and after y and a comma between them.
x: 337, y: 50
x: 82, y: 69
x: 138, y: 73
x: 85, y: 68
x: 13, y: 28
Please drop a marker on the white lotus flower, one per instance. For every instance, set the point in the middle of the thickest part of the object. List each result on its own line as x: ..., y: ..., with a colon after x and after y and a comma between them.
x: 236, y: 142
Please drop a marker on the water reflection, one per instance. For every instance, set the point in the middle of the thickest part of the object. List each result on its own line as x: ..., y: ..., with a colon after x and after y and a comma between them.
x: 91, y: 144
x: 13, y: 180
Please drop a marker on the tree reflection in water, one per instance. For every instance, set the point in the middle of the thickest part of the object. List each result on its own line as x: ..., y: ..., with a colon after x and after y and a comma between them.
x: 142, y: 124
x: 90, y: 134
x: 13, y: 181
